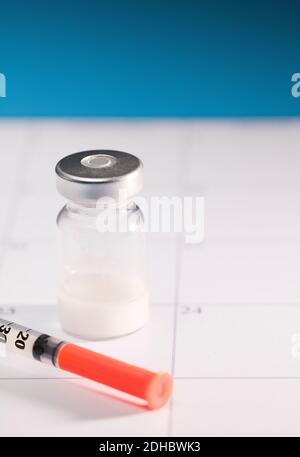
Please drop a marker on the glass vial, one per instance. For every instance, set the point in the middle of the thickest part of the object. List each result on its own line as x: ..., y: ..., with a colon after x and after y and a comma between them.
x: 102, y: 289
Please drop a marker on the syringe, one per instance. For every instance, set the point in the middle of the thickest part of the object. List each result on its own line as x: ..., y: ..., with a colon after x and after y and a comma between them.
x: 154, y: 388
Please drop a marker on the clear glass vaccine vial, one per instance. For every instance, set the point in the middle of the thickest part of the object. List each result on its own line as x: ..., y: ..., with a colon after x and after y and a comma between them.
x: 102, y: 289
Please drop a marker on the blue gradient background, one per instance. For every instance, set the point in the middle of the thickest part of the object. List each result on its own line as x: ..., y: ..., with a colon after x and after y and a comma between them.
x: 149, y: 58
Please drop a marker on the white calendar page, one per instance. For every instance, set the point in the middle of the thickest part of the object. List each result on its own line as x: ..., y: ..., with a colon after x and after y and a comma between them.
x: 223, y: 313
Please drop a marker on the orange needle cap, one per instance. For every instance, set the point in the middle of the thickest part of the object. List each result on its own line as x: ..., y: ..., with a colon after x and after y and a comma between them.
x: 154, y: 388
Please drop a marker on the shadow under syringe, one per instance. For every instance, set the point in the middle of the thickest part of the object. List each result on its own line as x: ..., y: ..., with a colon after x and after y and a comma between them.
x: 73, y: 398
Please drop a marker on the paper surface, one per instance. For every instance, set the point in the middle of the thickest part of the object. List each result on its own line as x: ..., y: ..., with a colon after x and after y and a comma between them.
x: 225, y: 314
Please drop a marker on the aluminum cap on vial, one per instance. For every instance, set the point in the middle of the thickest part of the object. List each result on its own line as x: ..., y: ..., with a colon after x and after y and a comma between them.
x: 86, y: 176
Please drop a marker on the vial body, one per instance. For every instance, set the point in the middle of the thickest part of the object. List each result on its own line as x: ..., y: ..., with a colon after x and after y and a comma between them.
x: 102, y: 271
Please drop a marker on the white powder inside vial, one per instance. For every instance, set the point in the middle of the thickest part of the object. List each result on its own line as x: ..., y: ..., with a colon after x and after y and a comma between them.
x: 96, y: 306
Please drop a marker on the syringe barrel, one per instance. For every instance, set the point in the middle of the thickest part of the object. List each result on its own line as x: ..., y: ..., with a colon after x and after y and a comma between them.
x: 18, y: 339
